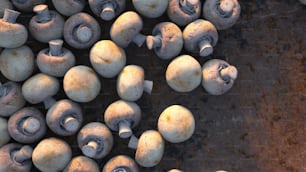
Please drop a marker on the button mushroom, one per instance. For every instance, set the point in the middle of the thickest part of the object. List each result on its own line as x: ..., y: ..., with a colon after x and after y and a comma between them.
x: 149, y: 148
x: 122, y: 116
x: 176, y: 124
x: 51, y: 154
x: 46, y: 25
x: 107, y: 58
x: 151, y: 8
x: 95, y: 140
x: 27, y: 125
x: 183, y: 12
x: 183, y: 74
x: 64, y: 117
x: 126, y: 29
x: 12, y: 35
x: 69, y: 7
x: 81, y: 31
x: 81, y: 84
x: 3, y: 5
x: 218, y: 76
x: 15, y: 157
x: 166, y: 40
x: 222, y: 13
x: 26, y: 5
x: 107, y: 9
x: 121, y: 163
x: 200, y: 36
x: 55, y: 60
x: 82, y: 164
x: 131, y: 83
x: 4, y: 134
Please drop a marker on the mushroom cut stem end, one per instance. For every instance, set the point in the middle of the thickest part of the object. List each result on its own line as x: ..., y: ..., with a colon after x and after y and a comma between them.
x: 205, y: 48
x: 90, y: 149
x: 108, y: 12
x: 133, y: 143
x: 10, y: 16
x: 43, y: 13
x: 71, y: 124
x: 25, y: 153
x: 125, y: 130
x: 31, y: 125
x: 148, y: 86
x: 55, y: 47
x: 139, y: 39
x: 83, y: 33
x: 153, y: 41
x: 229, y: 73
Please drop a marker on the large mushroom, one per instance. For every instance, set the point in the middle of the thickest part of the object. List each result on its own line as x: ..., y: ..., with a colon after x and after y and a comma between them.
x: 107, y: 9
x: 151, y: 8
x: 69, y: 7
x: 3, y: 5
x: 26, y: 5
x: 4, y: 134
x: 82, y: 164
x: 120, y: 163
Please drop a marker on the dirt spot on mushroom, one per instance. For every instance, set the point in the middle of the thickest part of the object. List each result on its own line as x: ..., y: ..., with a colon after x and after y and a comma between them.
x: 153, y: 5
x: 15, y: 53
x: 197, y: 73
x: 168, y: 118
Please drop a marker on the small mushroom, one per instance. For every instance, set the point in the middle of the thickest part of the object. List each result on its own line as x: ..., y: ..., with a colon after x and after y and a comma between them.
x: 40, y: 88
x: 122, y: 116
x: 166, y: 40
x: 27, y: 125
x: 222, y: 13
x: 26, y: 5
x: 176, y: 124
x: 120, y: 163
x: 183, y: 74
x: 17, y: 64
x: 64, y: 117
x: 81, y: 31
x: 12, y: 34
x: 218, y: 76
x: 149, y: 148
x: 4, y: 134
x: 82, y: 164
x: 131, y: 83
x: 55, y: 60
x: 51, y: 154
x: 107, y: 58
x: 81, y: 84
x: 183, y: 12
x: 11, y: 98
x: 200, y: 36
x: 107, y: 9
x: 15, y: 157
x: 95, y: 140
x: 126, y: 29
x: 3, y: 5
x: 69, y: 7
x: 151, y: 8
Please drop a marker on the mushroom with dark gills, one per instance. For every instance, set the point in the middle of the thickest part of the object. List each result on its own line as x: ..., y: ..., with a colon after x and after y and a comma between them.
x: 69, y: 7
x: 3, y: 5
x: 26, y: 5
x: 4, y: 134
x: 82, y: 164
x: 107, y: 9
x: 151, y: 8
x: 120, y: 163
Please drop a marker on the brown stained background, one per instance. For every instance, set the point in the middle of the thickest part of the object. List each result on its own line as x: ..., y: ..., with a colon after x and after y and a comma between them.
x: 259, y: 125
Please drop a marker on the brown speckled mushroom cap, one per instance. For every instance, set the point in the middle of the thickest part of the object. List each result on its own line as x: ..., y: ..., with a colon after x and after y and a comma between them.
x: 4, y: 134
x: 69, y: 7
x: 121, y: 163
x: 107, y: 9
x: 151, y: 8
x: 26, y: 5
x: 82, y: 164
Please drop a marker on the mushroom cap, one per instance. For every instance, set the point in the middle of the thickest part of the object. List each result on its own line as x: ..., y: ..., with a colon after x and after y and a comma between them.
x: 39, y: 87
x: 59, y: 112
x: 17, y: 64
x: 151, y: 8
x: 183, y: 74
x: 125, y: 28
x: 121, y: 162
x: 16, y: 130
x: 211, y: 13
x: 26, y: 5
x: 197, y: 31
x: 96, y: 131
x: 82, y: 164
x: 4, y: 134
x: 107, y: 58
x: 69, y: 7
x: 97, y: 6
x: 51, y: 154
x: 175, y: 170
x: 130, y: 83
x: 150, y: 148
x: 81, y: 84
x: 5, y: 4
x: 176, y: 124
x: 12, y: 101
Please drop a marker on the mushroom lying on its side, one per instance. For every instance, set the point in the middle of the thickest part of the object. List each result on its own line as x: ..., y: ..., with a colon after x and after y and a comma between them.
x: 3, y: 5
x: 4, y: 134
x: 120, y: 163
x: 107, y: 9
x: 150, y: 8
x: 69, y: 7
x: 82, y: 164
x: 26, y: 5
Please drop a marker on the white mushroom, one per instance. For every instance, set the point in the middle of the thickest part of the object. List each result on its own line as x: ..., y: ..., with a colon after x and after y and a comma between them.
x: 69, y: 7
x: 151, y: 8
x: 82, y: 164
x: 121, y: 163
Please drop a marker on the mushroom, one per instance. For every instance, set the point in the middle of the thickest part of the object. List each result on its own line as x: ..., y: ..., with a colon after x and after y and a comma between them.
x: 107, y: 9
x: 183, y: 74
x: 40, y: 88
x: 4, y: 134
x: 95, y: 140
x: 82, y: 164
x: 81, y: 84
x: 11, y: 98
x: 176, y: 124
x: 166, y: 40
x: 27, y: 125
x: 175, y: 170
x: 107, y: 58
x: 69, y: 7
x: 55, y: 60
x: 149, y: 148
x: 17, y: 64
x: 151, y: 8
x: 120, y: 163
x: 183, y: 12
x: 64, y: 117
x: 3, y: 5
x: 222, y: 13
x: 12, y: 34
x: 26, y: 5
x: 200, y: 36
x: 131, y: 83
x: 81, y: 31
x: 51, y: 154
x: 15, y: 157
x: 218, y: 76
x: 126, y: 29
x: 122, y: 116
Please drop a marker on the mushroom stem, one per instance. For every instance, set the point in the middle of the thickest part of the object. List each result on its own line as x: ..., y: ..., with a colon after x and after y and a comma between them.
x: 83, y: 33
x: 108, y: 11
x: 90, y: 149
x: 55, y: 47
x: 23, y: 154
x: 133, y: 143
x: 139, y: 39
x: 205, y: 48
x: 226, y: 7
x: 43, y: 13
x: 10, y: 16
x: 125, y: 130
x: 48, y: 102
x: 154, y: 41
x: 30, y: 125
x: 188, y: 5
x: 229, y: 73
x: 71, y: 124
x: 148, y: 86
